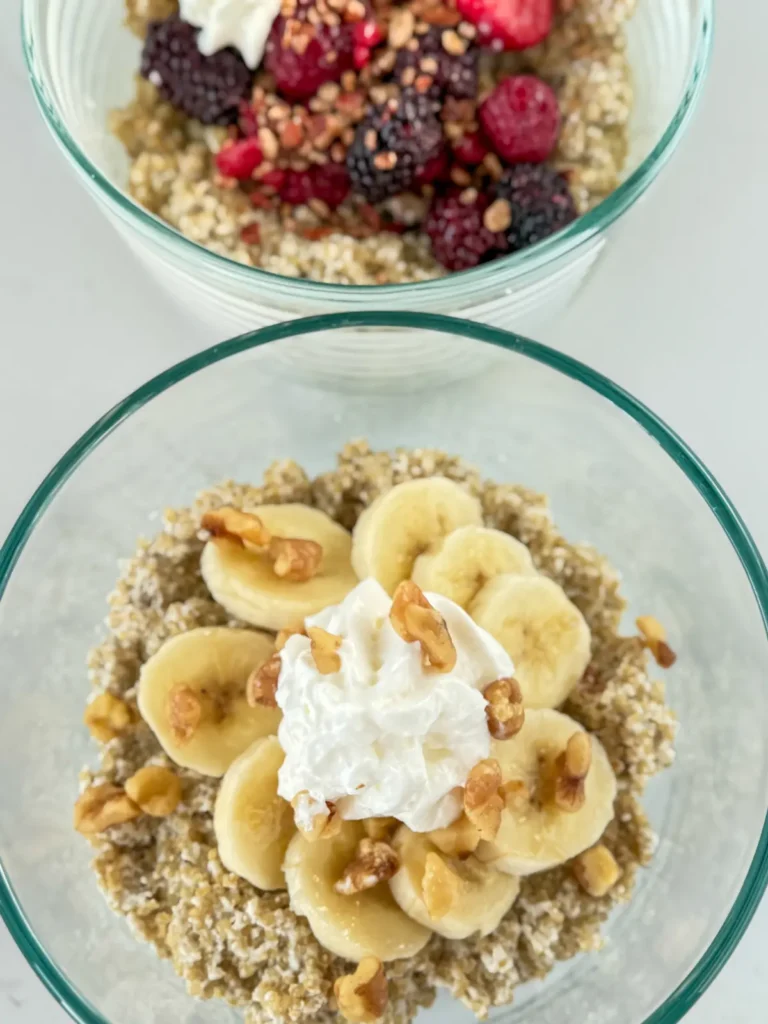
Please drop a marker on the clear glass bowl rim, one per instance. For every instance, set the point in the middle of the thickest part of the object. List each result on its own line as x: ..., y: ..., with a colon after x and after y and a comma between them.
x: 679, y: 1002
x: 516, y: 265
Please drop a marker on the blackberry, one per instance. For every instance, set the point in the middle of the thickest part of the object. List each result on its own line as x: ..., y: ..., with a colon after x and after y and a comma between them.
x: 540, y: 203
x: 209, y: 89
x: 392, y: 145
x: 454, y: 74
x: 459, y: 238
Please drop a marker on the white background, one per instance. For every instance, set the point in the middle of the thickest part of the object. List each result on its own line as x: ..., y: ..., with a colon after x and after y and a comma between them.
x: 676, y: 313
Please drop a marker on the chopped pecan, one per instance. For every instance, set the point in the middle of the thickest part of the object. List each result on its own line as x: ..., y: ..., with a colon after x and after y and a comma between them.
x: 294, y: 559
x: 504, y: 712
x: 571, y: 770
x: 362, y: 996
x: 483, y: 803
x: 156, y: 790
x: 415, y: 620
x: 107, y: 717
x: 457, y: 840
x: 375, y: 861
x: 325, y: 650
x: 241, y: 527
x: 261, y: 688
x: 101, y: 807
x: 655, y: 637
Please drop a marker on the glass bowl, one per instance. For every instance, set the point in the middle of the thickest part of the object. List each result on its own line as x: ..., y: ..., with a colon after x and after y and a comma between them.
x: 617, y: 477
x: 82, y: 62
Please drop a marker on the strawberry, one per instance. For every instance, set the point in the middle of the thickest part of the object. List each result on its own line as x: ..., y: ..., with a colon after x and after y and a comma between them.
x: 509, y: 24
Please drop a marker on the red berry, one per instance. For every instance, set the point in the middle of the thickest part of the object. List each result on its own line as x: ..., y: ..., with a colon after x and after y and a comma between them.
x: 510, y: 24
x: 273, y: 178
x: 247, y: 120
x: 521, y: 119
x: 239, y: 159
x: 361, y: 56
x: 328, y: 182
x: 368, y: 34
x: 433, y: 169
x: 328, y: 54
x: 459, y: 238
x: 470, y: 149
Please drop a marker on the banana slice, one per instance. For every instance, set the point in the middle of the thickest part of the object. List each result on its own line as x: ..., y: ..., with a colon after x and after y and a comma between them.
x: 402, y: 523
x: 544, y: 634
x: 535, y: 832
x: 455, y: 898
x: 253, y: 825
x: 192, y: 696
x: 464, y: 561
x: 368, y: 923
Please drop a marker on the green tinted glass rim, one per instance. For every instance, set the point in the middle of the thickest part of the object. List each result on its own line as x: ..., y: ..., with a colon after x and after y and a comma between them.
x: 505, y: 269
x: 679, y: 1002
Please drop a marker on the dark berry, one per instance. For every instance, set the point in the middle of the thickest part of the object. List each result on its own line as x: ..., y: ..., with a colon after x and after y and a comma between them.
x: 521, y: 119
x: 303, y: 60
x: 392, y: 145
x: 471, y: 149
x: 453, y: 74
x: 239, y: 159
x: 540, y: 203
x: 209, y: 89
x: 329, y: 182
x: 460, y: 240
x: 509, y: 24
x: 434, y: 169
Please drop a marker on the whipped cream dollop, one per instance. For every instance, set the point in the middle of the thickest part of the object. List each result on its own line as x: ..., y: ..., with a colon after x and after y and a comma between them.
x: 382, y: 737
x: 244, y: 24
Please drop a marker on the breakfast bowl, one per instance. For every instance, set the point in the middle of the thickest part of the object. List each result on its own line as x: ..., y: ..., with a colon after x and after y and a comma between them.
x: 616, y: 476
x: 82, y: 61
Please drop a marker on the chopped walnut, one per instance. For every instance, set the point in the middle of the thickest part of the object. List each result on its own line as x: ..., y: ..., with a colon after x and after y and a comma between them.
x: 294, y: 559
x: 655, y: 637
x: 380, y: 828
x: 516, y: 794
x: 261, y: 688
x: 596, y: 870
x: 440, y: 886
x: 505, y: 712
x: 185, y: 712
x: 571, y: 770
x: 375, y: 861
x: 107, y: 717
x: 362, y: 996
x: 101, y: 807
x: 415, y: 620
x: 483, y: 803
x: 457, y: 840
x: 241, y: 527
x: 156, y: 790
x: 284, y: 635
x: 325, y: 650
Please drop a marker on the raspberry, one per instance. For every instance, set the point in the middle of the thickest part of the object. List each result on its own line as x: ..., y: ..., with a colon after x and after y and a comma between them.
x: 329, y: 182
x: 239, y: 159
x: 521, y: 119
x: 455, y: 75
x: 470, y: 149
x: 460, y: 240
x: 392, y: 146
x: 540, y: 203
x: 208, y: 89
x: 302, y: 61
x: 509, y: 24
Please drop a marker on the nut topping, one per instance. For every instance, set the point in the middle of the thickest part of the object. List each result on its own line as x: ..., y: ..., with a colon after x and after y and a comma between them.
x: 261, y: 688
x: 374, y: 862
x: 325, y: 648
x: 504, y: 711
x: 440, y: 886
x: 596, y: 870
x: 294, y: 559
x: 107, y: 717
x: 101, y: 807
x: 362, y: 996
x: 284, y: 635
x: 415, y: 620
x: 483, y: 803
x: 241, y: 527
x: 156, y: 790
x: 457, y: 840
x: 571, y: 770
x: 655, y: 637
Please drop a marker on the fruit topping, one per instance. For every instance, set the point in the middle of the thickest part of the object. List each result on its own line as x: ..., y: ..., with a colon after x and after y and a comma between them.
x: 444, y: 56
x: 509, y: 24
x: 310, y: 47
x: 459, y: 237
x: 521, y: 119
x: 539, y: 200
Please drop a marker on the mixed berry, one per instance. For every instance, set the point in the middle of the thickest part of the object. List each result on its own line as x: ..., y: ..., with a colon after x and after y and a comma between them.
x: 386, y: 106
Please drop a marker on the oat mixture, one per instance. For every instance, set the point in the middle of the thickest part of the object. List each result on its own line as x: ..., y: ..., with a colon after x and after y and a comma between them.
x: 278, y: 217
x: 230, y: 941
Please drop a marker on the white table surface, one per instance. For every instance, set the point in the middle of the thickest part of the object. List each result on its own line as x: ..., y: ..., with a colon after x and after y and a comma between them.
x: 676, y: 314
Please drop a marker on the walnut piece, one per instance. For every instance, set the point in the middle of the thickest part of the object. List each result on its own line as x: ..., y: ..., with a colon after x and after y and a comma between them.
x: 380, y: 828
x: 362, y: 996
x: 457, y: 840
x: 439, y: 887
x: 241, y: 527
x: 284, y: 635
x: 571, y: 770
x: 185, y: 712
x: 504, y: 712
x: 294, y: 559
x: 156, y: 790
x: 655, y: 637
x: 107, y: 717
x: 415, y: 620
x: 375, y: 861
x: 325, y: 650
x: 261, y: 688
x: 596, y: 870
x: 101, y: 807
x: 483, y: 803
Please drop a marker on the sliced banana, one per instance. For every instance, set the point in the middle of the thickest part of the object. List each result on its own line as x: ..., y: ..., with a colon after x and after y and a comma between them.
x: 368, y: 923
x: 455, y: 898
x: 535, y: 834
x: 543, y: 632
x: 253, y: 825
x: 402, y: 523
x: 192, y: 696
x: 242, y: 578
x: 461, y: 563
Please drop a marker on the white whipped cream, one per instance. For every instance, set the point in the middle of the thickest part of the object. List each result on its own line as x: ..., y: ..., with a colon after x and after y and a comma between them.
x: 382, y: 737
x: 244, y: 24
